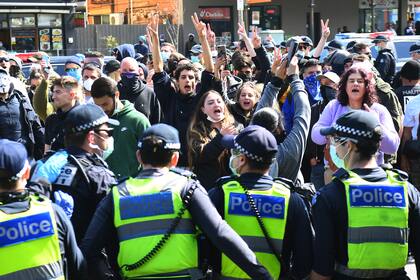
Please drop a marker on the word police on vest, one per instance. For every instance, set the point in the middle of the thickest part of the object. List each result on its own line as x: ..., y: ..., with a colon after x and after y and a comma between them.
x: 377, y: 196
x: 268, y: 206
x: 26, y: 228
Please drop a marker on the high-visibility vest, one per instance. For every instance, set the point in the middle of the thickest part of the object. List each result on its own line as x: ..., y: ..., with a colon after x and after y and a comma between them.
x: 273, y: 207
x: 29, y: 246
x: 377, y: 235
x: 144, y: 209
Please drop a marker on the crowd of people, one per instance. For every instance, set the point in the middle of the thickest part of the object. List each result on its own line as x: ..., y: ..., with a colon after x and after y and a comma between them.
x: 250, y: 161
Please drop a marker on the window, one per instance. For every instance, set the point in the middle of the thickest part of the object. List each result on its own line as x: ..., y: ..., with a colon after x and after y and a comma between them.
x: 101, y: 19
x: 22, y: 20
x: 49, y: 20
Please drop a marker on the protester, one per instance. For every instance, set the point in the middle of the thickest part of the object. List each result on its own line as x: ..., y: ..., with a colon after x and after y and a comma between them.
x: 211, y: 120
x: 112, y: 70
x: 90, y: 73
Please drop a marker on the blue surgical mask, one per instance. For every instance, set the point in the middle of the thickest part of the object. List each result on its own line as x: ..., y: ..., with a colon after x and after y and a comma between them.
x: 377, y: 48
x: 232, y: 168
x: 334, y: 157
x: 195, y: 58
x: 165, y: 56
x: 75, y: 73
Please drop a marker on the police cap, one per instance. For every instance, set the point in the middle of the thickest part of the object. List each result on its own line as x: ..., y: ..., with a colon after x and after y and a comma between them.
x: 166, y: 133
x: 357, y: 125
x: 255, y: 142
x: 85, y: 117
x: 13, y: 159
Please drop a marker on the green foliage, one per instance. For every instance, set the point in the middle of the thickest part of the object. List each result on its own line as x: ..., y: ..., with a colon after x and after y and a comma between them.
x: 110, y: 42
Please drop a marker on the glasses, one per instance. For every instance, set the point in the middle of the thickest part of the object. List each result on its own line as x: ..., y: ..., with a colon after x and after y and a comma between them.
x: 235, y: 152
x: 337, y: 140
x: 107, y: 131
x: 302, y: 47
x: 4, y: 59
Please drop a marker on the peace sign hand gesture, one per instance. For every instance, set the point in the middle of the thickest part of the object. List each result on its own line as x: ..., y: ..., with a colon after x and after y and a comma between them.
x: 256, y: 40
x: 325, y: 29
x: 200, y: 26
x: 242, y: 32
x: 153, y: 28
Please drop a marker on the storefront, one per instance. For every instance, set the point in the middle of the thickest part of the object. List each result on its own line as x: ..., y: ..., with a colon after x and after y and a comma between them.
x: 221, y: 22
x: 29, y: 26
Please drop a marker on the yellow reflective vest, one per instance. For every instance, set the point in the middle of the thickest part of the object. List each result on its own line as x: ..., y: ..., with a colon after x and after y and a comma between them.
x: 273, y: 207
x: 377, y: 234
x: 144, y: 209
x: 29, y: 246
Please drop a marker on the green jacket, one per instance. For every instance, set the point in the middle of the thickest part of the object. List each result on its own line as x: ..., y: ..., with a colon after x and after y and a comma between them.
x: 43, y: 108
x: 123, y: 161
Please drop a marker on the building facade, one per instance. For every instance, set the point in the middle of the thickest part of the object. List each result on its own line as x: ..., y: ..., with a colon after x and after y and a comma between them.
x: 32, y: 25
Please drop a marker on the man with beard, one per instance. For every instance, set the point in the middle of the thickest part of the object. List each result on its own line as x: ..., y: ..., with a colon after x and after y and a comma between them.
x: 136, y: 91
x: 122, y: 161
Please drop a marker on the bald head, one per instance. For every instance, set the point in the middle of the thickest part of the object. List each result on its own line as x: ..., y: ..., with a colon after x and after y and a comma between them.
x: 129, y: 64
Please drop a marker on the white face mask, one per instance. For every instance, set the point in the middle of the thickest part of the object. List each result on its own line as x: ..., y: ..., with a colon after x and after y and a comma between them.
x: 4, y: 83
x: 233, y: 168
x: 87, y: 84
x: 213, y: 120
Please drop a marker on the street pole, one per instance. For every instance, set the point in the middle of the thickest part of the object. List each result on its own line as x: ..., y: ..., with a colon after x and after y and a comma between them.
x: 131, y: 11
x: 312, y: 19
x: 372, y: 10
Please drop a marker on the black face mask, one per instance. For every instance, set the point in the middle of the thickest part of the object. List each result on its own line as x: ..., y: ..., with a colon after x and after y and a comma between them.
x: 130, y: 82
x: 244, y: 77
x: 33, y: 87
x: 328, y: 93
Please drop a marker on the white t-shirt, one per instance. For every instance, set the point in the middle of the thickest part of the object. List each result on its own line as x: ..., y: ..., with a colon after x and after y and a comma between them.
x: 411, y: 118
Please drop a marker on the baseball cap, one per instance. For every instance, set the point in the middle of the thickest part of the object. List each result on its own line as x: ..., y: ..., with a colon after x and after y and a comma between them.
x: 297, y: 39
x: 380, y: 38
x: 411, y: 70
x: 415, y: 48
x: 197, y: 49
x: 75, y: 60
x: 268, y: 45
x: 168, y: 134
x: 334, y: 45
x: 282, y: 45
x: 111, y: 66
x: 357, y: 125
x: 350, y: 46
x: 13, y: 158
x: 255, y: 142
x: 306, y: 40
x: 333, y: 77
x: 85, y: 117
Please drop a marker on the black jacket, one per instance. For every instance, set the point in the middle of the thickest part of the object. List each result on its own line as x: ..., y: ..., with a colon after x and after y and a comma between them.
x: 20, y: 123
x: 385, y: 64
x: 143, y: 98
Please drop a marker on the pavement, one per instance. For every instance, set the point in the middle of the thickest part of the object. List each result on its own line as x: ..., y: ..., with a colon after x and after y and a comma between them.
x: 411, y: 271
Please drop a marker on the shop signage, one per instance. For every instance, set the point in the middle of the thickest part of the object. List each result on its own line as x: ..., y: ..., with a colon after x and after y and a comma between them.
x: 215, y: 13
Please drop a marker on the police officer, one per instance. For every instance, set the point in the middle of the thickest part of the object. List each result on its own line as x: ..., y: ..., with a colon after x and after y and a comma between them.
x: 366, y: 219
x: 385, y: 61
x: 152, y: 218
x: 271, y: 219
x: 36, y: 238
x: 79, y: 169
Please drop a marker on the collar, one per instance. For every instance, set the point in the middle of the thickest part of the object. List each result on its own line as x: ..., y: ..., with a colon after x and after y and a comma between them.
x: 255, y: 181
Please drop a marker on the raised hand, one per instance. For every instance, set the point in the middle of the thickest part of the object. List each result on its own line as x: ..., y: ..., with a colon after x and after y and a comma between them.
x: 211, y: 36
x: 256, y: 40
x: 153, y: 27
x: 241, y: 31
x: 277, y: 60
x: 325, y: 29
x: 200, y: 26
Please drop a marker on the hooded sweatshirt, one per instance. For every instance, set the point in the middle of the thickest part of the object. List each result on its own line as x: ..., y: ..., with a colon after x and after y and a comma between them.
x: 125, y: 50
x: 123, y: 161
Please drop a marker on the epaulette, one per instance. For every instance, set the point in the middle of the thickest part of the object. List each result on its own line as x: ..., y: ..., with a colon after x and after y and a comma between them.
x: 287, y: 182
x: 403, y: 176
x: 222, y: 180
x: 341, y: 174
x: 183, y: 172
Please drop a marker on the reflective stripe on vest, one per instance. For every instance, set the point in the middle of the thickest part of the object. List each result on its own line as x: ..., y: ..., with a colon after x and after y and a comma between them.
x: 273, y: 206
x: 377, y: 234
x: 364, y: 273
x: 29, y: 246
x: 144, y: 209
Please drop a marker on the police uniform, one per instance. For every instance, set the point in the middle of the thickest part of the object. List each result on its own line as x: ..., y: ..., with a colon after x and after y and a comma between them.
x: 138, y: 213
x: 36, y: 238
x: 366, y: 219
x: 283, y: 212
x: 85, y: 176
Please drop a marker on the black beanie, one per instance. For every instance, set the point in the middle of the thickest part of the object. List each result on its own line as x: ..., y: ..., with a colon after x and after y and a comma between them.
x: 111, y: 66
x: 411, y: 70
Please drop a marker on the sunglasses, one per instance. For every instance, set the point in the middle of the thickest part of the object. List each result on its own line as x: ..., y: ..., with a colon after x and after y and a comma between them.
x: 337, y: 140
x: 4, y: 59
x: 107, y: 131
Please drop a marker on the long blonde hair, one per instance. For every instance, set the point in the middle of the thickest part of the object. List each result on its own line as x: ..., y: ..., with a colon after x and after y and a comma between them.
x: 200, y: 131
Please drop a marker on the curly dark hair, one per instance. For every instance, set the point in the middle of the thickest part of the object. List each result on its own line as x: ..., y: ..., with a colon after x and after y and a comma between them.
x: 370, y: 94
